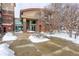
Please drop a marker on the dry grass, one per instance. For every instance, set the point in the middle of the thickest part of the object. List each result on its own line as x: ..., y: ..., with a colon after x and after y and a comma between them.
x: 46, y: 48
x: 18, y: 43
x: 26, y: 51
x: 66, y: 43
x: 61, y: 41
x: 74, y: 47
x: 65, y: 53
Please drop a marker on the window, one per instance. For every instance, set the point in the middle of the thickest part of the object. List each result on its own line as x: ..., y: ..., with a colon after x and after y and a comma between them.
x: 9, y: 12
x: 31, y: 25
x: 33, y: 21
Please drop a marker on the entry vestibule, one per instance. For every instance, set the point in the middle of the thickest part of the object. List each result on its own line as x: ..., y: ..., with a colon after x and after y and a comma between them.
x: 31, y: 25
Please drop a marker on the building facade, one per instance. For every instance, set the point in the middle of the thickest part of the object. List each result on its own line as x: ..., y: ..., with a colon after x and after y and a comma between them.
x: 18, y: 24
x: 0, y: 18
x: 30, y: 21
x: 7, y: 16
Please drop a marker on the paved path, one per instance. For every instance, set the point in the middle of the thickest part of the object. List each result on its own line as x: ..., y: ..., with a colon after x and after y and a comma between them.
x: 50, y: 43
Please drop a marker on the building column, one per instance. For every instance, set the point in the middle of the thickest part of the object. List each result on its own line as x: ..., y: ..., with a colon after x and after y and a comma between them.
x: 24, y: 24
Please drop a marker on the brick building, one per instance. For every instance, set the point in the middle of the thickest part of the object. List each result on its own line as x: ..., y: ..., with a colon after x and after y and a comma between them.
x: 30, y: 21
x: 0, y: 18
x: 7, y: 16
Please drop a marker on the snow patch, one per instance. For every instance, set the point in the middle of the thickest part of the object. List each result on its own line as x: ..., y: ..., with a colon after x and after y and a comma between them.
x: 30, y: 31
x: 5, y: 50
x: 9, y: 36
x: 36, y: 39
x: 64, y: 35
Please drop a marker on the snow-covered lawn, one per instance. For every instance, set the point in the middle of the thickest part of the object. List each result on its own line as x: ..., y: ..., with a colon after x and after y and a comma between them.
x: 9, y: 36
x: 5, y: 50
x: 4, y: 47
x: 36, y: 39
x: 63, y: 35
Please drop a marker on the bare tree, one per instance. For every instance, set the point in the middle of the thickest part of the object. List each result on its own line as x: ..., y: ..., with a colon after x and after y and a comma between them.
x: 70, y: 17
x: 57, y: 16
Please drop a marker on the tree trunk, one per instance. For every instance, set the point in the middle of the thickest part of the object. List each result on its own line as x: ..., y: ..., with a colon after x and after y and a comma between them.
x: 70, y: 33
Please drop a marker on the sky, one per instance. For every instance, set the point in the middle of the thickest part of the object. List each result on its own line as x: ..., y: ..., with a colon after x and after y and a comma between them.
x: 20, y: 6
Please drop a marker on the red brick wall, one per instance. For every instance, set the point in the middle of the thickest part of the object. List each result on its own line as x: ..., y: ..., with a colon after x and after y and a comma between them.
x: 40, y: 26
x: 8, y: 19
x: 8, y: 28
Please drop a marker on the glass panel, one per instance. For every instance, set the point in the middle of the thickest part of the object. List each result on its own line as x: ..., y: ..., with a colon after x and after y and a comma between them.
x: 31, y: 25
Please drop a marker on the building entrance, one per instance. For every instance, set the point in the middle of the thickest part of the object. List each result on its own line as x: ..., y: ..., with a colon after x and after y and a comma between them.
x: 31, y: 25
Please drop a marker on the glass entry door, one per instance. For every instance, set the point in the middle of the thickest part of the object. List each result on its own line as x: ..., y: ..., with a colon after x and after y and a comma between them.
x: 31, y: 25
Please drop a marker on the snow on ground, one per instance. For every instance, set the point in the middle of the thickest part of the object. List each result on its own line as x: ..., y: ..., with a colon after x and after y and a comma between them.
x: 30, y: 31
x: 5, y: 50
x: 64, y: 35
x: 9, y: 36
x: 36, y: 39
